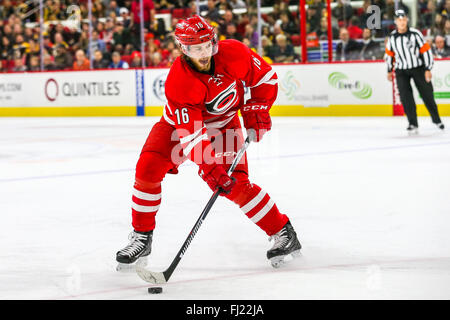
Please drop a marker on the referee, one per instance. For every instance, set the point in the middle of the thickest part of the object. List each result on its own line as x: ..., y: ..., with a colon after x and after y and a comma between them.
x: 411, y: 57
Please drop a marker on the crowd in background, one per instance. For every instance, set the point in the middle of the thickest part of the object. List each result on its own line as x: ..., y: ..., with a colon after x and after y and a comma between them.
x: 116, y: 38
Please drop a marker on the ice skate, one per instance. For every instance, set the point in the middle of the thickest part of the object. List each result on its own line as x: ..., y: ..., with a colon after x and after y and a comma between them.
x: 440, y: 126
x: 286, y: 246
x: 139, y: 247
x: 412, y: 130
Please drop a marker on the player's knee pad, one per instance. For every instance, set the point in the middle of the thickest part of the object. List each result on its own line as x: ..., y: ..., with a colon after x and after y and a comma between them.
x: 151, y: 169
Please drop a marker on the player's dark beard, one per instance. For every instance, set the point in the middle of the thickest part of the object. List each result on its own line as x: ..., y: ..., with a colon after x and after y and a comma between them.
x: 192, y: 65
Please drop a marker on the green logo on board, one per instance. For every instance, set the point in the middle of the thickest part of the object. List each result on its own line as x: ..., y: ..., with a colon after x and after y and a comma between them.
x: 359, y: 89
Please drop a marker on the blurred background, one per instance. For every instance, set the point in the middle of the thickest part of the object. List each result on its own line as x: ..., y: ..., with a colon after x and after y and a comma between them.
x: 101, y: 34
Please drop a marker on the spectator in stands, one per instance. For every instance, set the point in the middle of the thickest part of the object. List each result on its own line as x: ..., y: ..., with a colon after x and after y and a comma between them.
x: 117, y: 62
x: 34, y: 63
x: 112, y: 7
x: 33, y: 46
x: 149, y: 12
x: 246, y: 41
x: 3, y: 67
x: 63, y: 59
x: 439, y: 49
x: 354, y: 31
x: 82, y: 43
x: 49, y: 65
x: 6, y: 10
x: 227, y: 18
x: 136, y: 60
x: 231, y: 32
x: 157, y: 60
x: 6, y: 50
x: 282, y: 51
x: 108, y: 33
x: 97, y: 43
x: 19, y: 65
x: 165, y: 5
x: 322, y: 31
x: 7, y: 32
x: 126, y: 19
x: 343, y: 11
x: 99, y: 62
x: 444, y: 8
x: 267, y: 47
x: 238, y: 4
x: 20, y: 44
x: 122, y: 36
x: 348, y: 49
x: 313, y: 18
x: 59, y: 40
x: 224, y: 5
x: 288, y: 24
x: 213, y: 11
x: 252, y: 35
x: 370, y: 49
x: 99, y: 10
x: 175, y: 53
x: 81, y: 62
x: 446, y: 32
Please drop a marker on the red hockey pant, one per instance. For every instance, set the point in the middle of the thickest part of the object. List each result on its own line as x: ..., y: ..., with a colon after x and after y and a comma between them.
x: 156, y: 160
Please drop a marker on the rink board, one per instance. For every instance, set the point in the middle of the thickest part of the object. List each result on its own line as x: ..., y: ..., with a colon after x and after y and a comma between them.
x: 325, y: 89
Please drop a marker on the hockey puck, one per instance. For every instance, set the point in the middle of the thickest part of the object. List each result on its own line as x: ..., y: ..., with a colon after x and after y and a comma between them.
x: 154, y: 290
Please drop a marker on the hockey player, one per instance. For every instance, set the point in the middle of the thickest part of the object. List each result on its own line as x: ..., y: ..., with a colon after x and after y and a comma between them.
x: 205, y: 90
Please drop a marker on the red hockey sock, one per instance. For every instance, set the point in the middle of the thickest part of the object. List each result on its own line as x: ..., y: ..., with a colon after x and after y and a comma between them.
x: 258, y: 207
x: 145, y: 205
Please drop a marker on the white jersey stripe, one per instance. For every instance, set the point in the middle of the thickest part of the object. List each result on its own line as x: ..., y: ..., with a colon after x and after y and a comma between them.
x: 167, y: 118
x: 267, y: 79
x: 191, y: 145
x: 191, y: 136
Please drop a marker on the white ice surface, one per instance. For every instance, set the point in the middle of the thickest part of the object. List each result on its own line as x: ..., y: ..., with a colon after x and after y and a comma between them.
x: 370, y: 204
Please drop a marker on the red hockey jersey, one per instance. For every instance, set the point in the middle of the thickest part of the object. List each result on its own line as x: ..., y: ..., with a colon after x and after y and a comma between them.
x: 198, y: 101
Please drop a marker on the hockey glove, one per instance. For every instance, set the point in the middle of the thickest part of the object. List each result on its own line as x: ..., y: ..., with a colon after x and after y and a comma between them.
x: 216, y: 177
x: 256, y: 120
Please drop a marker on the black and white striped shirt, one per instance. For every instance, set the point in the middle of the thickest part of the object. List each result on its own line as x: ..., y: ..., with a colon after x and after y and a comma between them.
x: 408, y: 50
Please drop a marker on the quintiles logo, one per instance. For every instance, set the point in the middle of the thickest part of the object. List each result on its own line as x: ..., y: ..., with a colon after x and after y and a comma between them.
x: 359, y: 89
x: 289, y: 85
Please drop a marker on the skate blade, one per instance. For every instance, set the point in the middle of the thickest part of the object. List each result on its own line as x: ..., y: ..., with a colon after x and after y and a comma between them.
x: 130, y: 267
x: 279, y: 261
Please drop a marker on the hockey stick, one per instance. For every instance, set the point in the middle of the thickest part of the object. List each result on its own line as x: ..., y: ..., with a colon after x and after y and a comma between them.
x: 163, y: 277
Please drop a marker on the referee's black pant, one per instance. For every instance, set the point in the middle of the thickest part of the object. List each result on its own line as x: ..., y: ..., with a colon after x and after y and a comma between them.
x: 406, y: 94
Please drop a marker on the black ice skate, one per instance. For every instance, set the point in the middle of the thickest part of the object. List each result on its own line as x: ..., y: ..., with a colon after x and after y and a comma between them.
x: 286, y: 246
x: 139, y: 247
x: 412, y: 130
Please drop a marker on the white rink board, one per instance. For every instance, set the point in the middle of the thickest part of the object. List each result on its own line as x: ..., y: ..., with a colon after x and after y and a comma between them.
x: 115, y: 88
x: 329, y: 89
x: 321, y: 85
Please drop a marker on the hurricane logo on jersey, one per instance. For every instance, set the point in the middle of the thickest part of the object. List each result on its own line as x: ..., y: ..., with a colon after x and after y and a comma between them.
x: 223, y: 101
